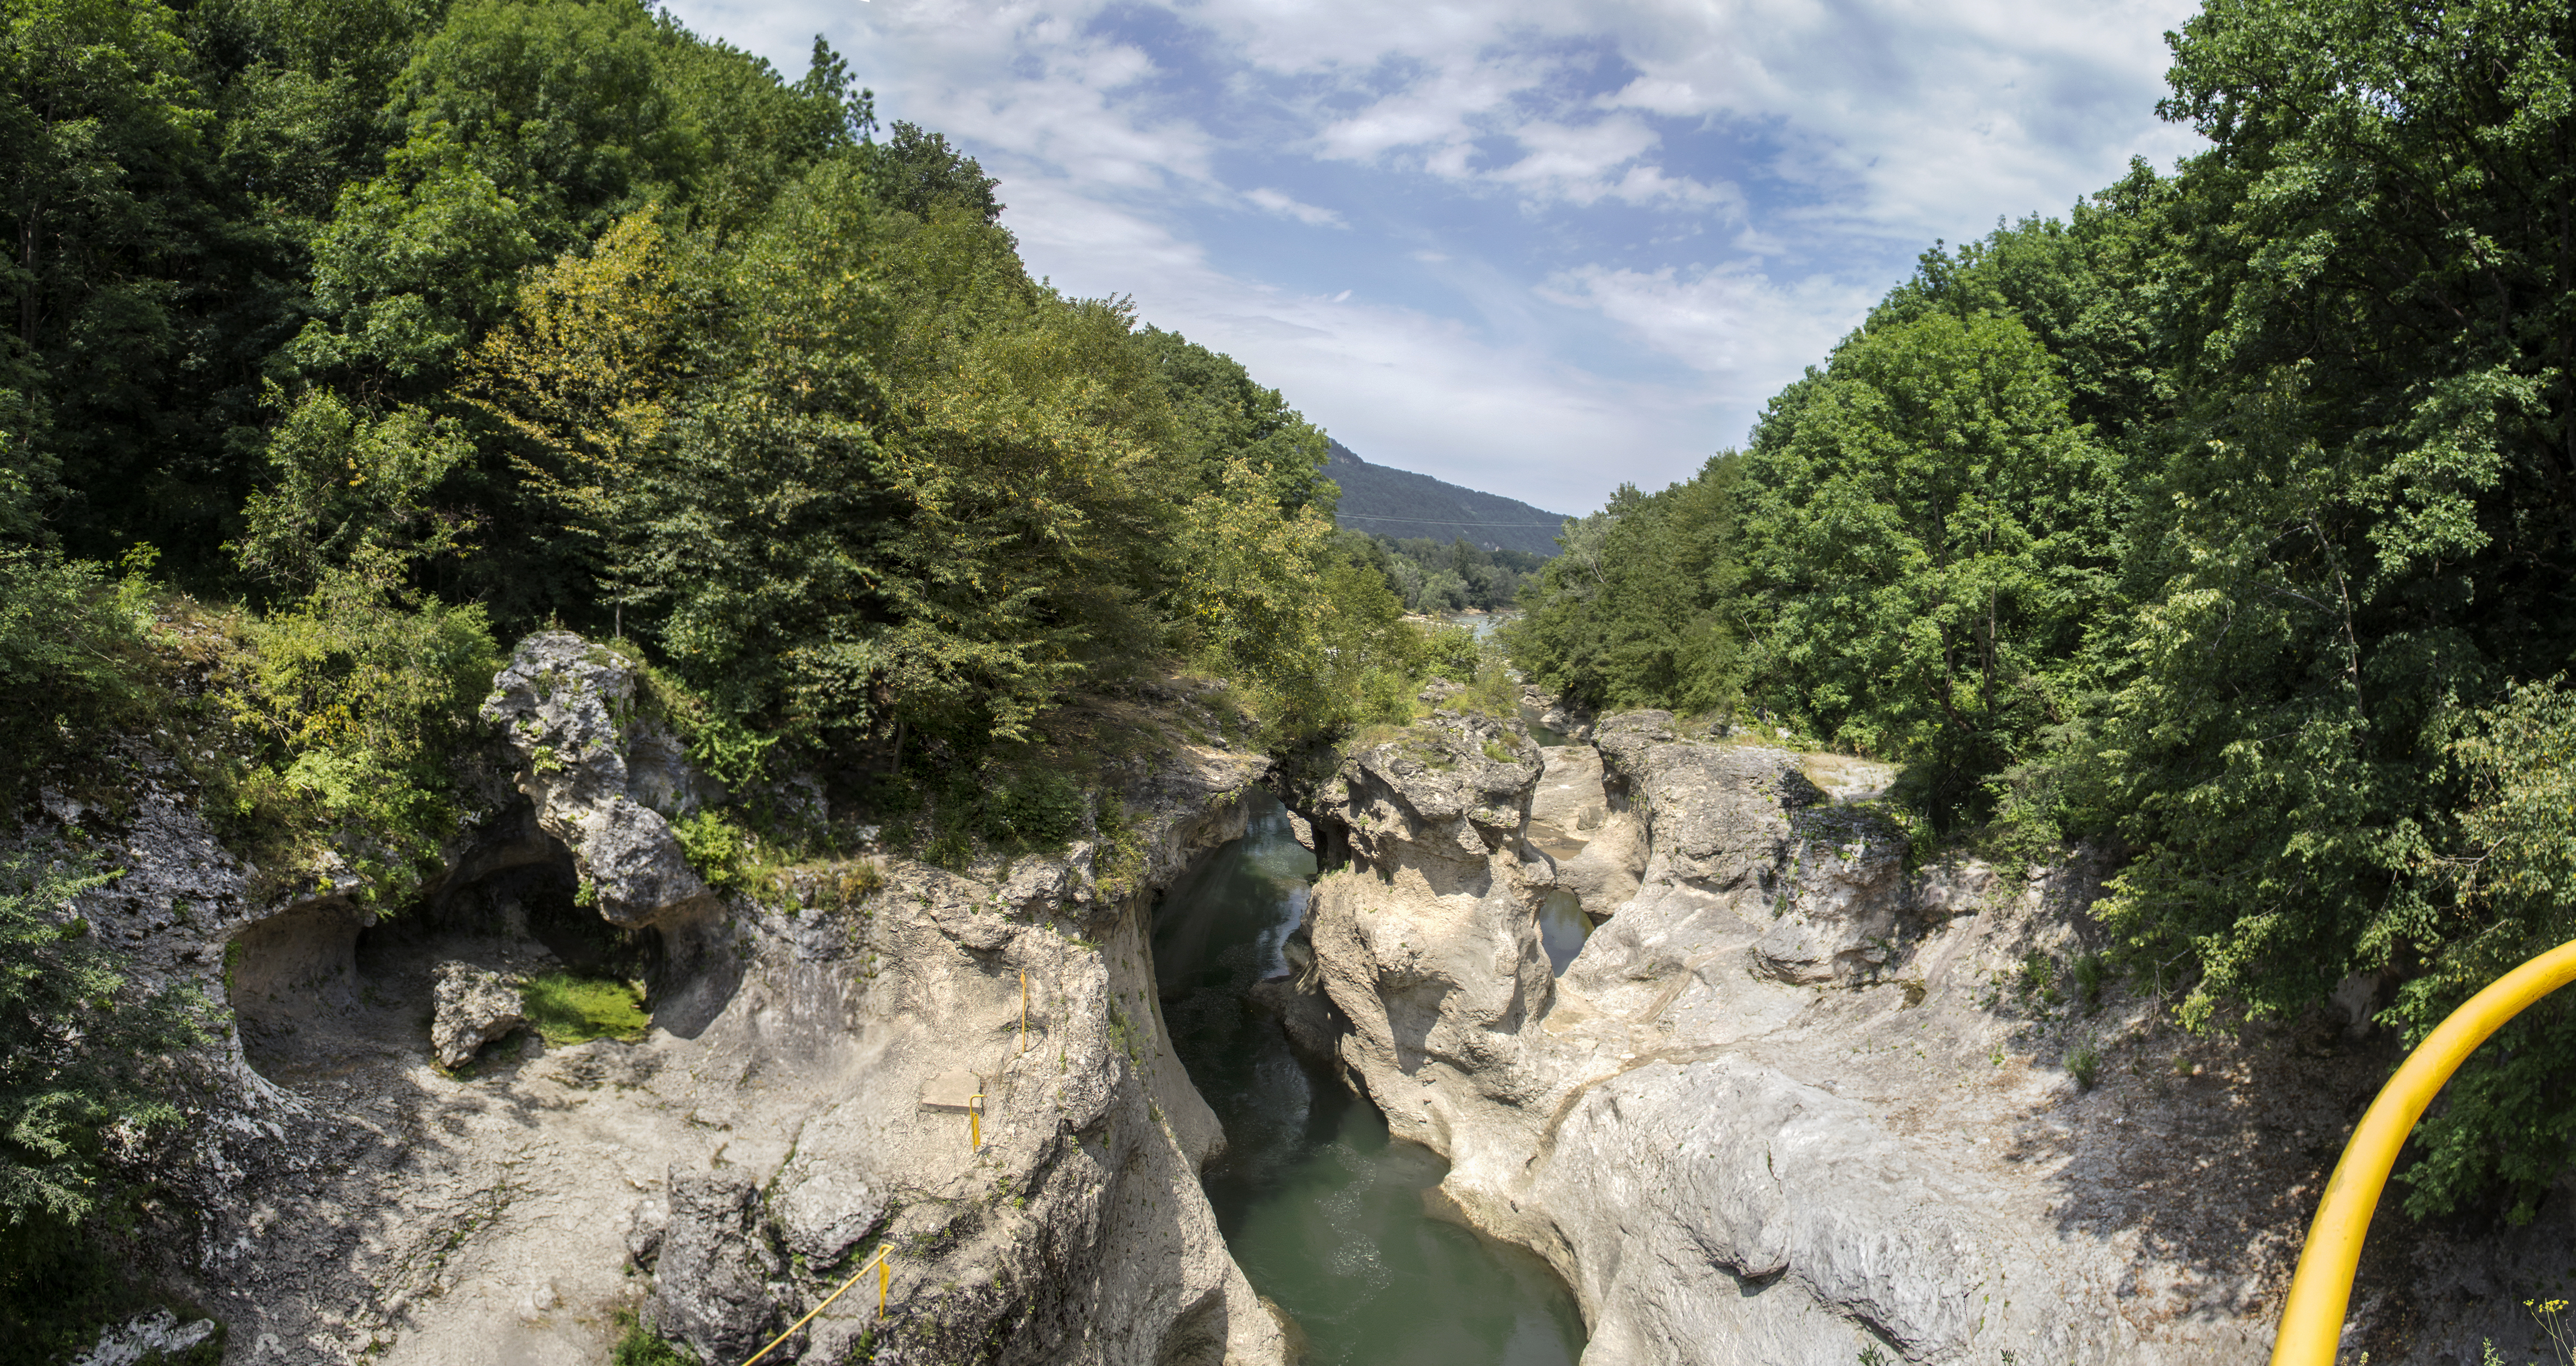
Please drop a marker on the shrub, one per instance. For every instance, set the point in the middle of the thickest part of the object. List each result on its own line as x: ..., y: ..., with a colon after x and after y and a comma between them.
x: 361, y: 703
x: 71, y: 663
x: 641, y: 1346
x: 79, y: 1053
x: 2090, y: 972
x: 2085, y: 1065
x: 714, y: 847
x: 2039, y: 979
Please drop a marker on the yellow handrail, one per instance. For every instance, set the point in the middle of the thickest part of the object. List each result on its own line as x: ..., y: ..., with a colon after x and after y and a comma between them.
x: 2312, y: 1317
x: 878, y: 1261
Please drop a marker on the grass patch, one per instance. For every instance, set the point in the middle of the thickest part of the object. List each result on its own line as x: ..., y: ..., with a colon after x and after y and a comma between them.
x: 565, y: 1009
x: 641, y: 1346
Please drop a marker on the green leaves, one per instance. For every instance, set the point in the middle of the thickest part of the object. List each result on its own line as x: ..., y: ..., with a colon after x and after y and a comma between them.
x: 361, y: 702
x: 351, y: 487
x: 78, y: 1049
x: 1644, y: 606
x: 1926, y: 530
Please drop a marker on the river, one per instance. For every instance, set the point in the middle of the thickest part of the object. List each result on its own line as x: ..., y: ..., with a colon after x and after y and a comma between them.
x: 1323, y: 1210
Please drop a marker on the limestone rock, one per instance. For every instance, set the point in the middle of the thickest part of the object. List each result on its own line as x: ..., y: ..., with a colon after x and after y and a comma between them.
x: 472, y: 1007
x: 1846, y: 893
x: 1458, y: 784
x: 715, y: 1280
x: 156, y: 1335
x: 1569, y: 804
x: 602, y: 775
x: 1628, y: 1121
x: 645, y: 1225
x: 1596, y: 843
x: 1555, y: 713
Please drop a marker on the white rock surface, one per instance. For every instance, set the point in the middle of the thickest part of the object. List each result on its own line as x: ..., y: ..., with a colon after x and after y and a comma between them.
x: 604, y: 775
x: 350, y: 1201
x: 139, y: 1337
x: 1792, y: 1104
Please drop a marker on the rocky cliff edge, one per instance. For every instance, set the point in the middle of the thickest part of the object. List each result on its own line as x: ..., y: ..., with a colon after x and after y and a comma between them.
x: 1798, y: 1102
x: 845, y: 1065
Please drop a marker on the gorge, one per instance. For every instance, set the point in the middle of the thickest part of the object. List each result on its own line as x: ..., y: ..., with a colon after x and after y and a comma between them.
x: 1795, y: 1100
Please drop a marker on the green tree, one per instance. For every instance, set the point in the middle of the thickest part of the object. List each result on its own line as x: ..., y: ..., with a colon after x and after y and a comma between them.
x: 360, y: 696
x: 2369, y: 479
x: 918, y: 172
x: 2505, y: 1127
x: 1928, y: 531
x: 72, y: 663
x: 350, y: 486
x: 131, y: 279
x: 81, y: 1052
x: 1220, y: 416
x: 1643, y: 604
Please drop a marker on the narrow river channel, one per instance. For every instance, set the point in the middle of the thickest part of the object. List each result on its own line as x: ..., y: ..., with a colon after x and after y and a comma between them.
x: 1323, y: 1210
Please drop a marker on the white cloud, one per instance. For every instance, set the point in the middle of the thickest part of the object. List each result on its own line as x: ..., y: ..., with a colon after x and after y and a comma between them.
x: 1311, y: 215
x: 1716, y: 189
x: 1744, y: 330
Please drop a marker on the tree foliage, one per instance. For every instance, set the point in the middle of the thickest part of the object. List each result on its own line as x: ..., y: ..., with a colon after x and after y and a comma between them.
x: 1925, y: 534
x: 2225, y: 520
x: 78, y: 1047
x: 1643, y: 604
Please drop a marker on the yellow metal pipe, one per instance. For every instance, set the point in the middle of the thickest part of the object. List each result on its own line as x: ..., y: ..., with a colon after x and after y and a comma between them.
x: 2312, y: 1317
x: 883, y: 1275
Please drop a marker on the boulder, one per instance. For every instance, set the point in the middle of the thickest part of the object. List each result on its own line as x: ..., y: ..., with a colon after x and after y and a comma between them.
x: 1846, y: 892
x: 605, y: 775
x: 716, y: 1281
x: 473, y: 1006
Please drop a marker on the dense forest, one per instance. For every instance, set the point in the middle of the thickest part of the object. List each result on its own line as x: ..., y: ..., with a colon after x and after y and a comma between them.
x: 2228, y: 522
x: 347, y: 343
x: 1431, y: 576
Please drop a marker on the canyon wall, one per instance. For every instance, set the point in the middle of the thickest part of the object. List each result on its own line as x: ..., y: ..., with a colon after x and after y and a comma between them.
x: 1797, y: 1101
x: 841, y: 1062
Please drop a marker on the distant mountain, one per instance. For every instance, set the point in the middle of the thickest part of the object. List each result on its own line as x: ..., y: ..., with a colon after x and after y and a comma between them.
x: 1400, y: 503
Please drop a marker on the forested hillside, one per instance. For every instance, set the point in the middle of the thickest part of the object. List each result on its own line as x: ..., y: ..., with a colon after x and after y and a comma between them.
x: 347, y: 343
x: 540, y: 312
x: 2227, y: 521
x: 1402, y: 505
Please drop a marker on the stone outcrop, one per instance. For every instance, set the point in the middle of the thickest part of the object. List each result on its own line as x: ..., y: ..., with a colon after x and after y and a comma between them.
x: 1583, y: 823
x: 605, y: 775
x: 1448, y: 985
x: 470, y: 1007
x: 1541, y: 707
x: 717, y: 1284
x: 349, y: 1200
x: 1793, y: 1103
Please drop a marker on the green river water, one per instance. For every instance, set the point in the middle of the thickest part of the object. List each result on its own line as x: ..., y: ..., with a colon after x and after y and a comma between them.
x: 1321, y: 1207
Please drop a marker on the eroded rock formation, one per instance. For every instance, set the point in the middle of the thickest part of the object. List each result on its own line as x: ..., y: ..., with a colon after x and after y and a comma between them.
x: 774, y: 1130
x: 1793, y: 1103
x: 470, y: 1007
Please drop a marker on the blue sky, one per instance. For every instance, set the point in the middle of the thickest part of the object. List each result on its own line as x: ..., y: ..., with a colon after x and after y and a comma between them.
x: 1538, y: 249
